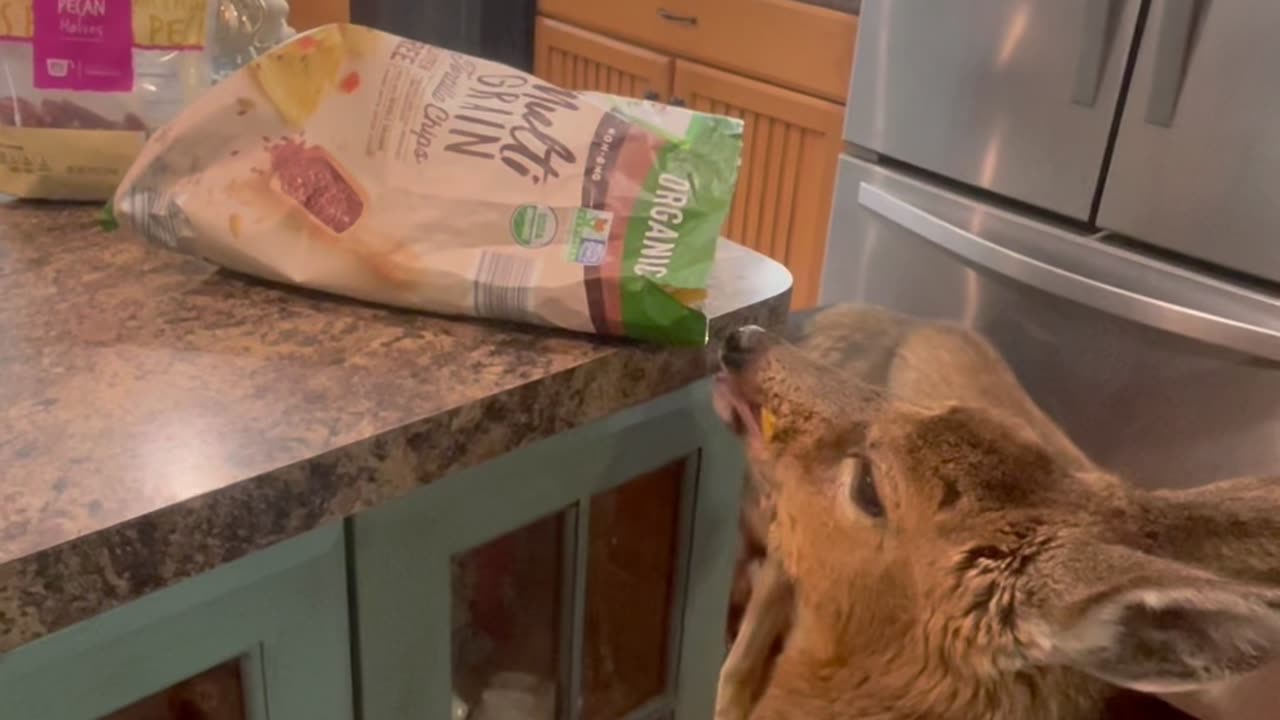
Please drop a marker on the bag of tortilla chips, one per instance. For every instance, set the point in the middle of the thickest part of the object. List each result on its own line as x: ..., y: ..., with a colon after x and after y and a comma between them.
x: 362, y: 164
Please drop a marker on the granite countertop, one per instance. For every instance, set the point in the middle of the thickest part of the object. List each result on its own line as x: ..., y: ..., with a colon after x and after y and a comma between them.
x: 159, y: 417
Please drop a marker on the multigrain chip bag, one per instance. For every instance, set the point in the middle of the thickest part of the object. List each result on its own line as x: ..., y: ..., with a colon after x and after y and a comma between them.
x: 362, y: 164
x: 85, y: 80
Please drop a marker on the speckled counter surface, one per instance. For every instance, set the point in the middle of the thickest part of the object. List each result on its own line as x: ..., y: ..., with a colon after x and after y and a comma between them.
x: 159, y: 417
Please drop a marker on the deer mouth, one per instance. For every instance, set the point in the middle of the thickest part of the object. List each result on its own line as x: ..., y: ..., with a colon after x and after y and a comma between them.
x: 733, y: 403
x: 734, y: 407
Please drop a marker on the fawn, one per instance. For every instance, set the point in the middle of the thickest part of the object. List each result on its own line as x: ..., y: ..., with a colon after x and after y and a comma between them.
x: 938, y: 549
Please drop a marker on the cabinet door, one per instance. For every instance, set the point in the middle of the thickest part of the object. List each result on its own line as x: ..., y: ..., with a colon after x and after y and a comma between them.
x: 265, y: 636
x: 584, y: 576
x: 580, y: 600
x: 579, y: 60
x: 789, y: 156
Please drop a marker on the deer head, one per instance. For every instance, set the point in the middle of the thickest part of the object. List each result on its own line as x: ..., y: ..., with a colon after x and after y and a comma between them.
x: 951, y: 561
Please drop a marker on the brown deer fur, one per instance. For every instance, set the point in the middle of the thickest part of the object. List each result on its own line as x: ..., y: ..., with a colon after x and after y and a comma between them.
x: 1008, y: 578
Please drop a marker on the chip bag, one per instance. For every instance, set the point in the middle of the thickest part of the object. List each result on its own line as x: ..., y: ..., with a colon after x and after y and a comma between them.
x: 85, y: 80
x: 362, y: 164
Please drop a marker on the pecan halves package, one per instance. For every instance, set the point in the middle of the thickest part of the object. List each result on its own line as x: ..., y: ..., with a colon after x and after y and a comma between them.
x: 85, y: 80
x: 366, y: 165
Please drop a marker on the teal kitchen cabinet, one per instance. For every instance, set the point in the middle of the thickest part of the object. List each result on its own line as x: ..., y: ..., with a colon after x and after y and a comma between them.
x: 587, y: 572
x: 586, y: 575
x: 263, y: 637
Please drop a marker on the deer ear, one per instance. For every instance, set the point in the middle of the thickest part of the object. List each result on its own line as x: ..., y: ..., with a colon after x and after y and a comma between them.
x: 1165, y: 628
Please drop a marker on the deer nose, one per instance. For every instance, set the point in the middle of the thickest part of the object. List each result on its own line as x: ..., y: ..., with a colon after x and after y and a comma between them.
x: 739, y: 347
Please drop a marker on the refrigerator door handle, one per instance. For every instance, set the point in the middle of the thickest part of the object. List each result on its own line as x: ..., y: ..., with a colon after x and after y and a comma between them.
x: 1173, y: 55
x: 1098, y: 35
x: 1175, y: 300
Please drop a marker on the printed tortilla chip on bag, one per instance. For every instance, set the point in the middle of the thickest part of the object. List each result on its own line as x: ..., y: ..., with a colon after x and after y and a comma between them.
x: 362, y: 164
x: 298, y: 76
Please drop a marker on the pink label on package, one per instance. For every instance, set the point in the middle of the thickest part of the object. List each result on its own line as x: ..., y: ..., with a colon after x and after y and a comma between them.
x: 83, y: 45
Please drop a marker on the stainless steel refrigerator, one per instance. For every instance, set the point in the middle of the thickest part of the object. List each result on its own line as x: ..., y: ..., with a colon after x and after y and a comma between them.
x: 1095, y: 186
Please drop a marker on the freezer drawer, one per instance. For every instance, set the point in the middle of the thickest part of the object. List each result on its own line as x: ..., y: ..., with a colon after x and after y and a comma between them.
x: 1166, y: 376
x: 1197, y: 157
x: 1015, y: 96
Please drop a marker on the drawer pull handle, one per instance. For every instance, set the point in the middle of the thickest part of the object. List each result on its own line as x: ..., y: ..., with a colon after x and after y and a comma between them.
x: 669, y: 16
x: 651, y: 96
x: 677, y: 101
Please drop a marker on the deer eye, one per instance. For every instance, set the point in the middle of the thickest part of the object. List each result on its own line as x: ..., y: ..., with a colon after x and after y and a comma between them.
x: 862, y: 487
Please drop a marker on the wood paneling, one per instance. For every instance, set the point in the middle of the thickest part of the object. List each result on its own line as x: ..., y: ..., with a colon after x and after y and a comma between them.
x: 581, y: 60
x: 783, y: 203
x: 790, y: 43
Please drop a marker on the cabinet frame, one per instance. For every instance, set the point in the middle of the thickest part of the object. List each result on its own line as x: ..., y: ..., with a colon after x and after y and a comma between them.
x: 299, y: 648
x: 401, y: 552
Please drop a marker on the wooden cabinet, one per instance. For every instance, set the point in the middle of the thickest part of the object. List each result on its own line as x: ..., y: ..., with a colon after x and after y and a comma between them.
x: 792, y: 128
x: 575, y: 58
x: 791, y: 145
x: 791, y: 44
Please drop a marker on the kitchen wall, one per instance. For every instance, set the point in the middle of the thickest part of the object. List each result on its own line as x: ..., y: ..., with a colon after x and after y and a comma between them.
x: 500, y: 30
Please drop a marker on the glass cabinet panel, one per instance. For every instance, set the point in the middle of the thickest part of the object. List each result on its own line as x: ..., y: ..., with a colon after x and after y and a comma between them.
x: 514, y: 615
x: 631, y: 589
x: 215, y: 694
x: 508, y: 613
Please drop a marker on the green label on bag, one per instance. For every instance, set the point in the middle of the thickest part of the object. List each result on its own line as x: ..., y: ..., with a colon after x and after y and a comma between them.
x: 675, y: 224
x: 533, y: 226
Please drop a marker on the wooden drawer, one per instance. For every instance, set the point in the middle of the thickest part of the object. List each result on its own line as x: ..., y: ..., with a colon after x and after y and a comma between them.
x: 788, y: 43
x: 579, y: 59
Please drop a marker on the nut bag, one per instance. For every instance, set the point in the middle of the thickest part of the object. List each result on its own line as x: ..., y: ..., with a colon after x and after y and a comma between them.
x: 85, y: 80
x: 362, y: 164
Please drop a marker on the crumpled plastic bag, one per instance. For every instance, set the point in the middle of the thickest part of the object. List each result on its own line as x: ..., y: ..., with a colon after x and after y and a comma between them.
x: 359, y: 163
